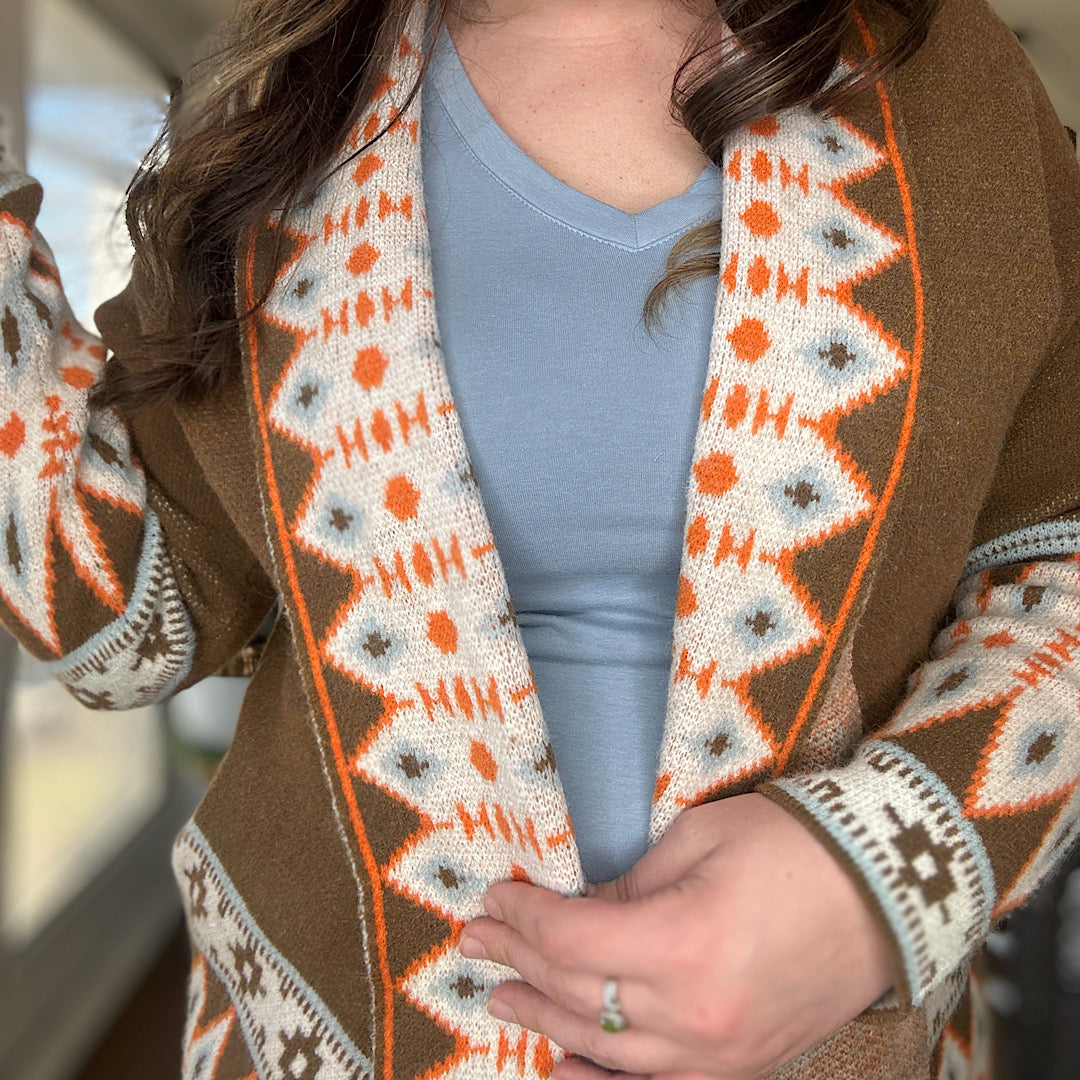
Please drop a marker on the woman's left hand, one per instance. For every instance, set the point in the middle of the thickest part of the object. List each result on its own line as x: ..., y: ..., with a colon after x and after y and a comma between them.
x: 738, y: 941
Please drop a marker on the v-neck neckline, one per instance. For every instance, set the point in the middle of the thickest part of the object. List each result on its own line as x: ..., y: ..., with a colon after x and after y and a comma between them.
x: 447, y: 81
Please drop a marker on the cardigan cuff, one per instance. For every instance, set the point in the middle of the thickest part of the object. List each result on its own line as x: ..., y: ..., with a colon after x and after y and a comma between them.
x: 921, y: 867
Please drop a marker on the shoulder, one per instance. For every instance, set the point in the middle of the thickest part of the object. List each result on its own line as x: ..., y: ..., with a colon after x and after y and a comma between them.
x: 970, y: 66
x: 973, y: 26
x: 968, y: 106
x: 963, y: 30
x: 986, y: 156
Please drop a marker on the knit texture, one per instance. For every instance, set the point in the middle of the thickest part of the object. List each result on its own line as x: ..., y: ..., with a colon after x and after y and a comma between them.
x: 791, y: 355
x: 75, y: 500
x: 391, y: 738
x: 427, y: 626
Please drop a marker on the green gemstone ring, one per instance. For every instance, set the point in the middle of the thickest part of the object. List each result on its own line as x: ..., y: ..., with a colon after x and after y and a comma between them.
x: 611, y: 1015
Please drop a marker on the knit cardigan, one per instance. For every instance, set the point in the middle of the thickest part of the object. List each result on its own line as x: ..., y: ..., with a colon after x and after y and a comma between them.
x: 878, y: 617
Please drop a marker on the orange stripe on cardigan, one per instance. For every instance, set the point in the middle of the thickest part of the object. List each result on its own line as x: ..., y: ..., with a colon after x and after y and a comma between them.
x: 314, y: 664
x: 837, y: 628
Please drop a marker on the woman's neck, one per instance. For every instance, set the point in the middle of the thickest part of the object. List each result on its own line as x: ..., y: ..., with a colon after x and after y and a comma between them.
x: 584, y: 88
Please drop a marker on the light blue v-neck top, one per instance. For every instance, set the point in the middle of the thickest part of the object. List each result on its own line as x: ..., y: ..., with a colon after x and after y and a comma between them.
x: 580, y: 426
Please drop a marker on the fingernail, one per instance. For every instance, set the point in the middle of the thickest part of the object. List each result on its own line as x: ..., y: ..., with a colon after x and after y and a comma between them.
x: 473, y: 948
x: 492, y: 908
x: 501, y: 1011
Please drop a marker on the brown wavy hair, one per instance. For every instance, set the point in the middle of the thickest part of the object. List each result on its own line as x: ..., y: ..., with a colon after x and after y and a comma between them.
x: 260, y: 118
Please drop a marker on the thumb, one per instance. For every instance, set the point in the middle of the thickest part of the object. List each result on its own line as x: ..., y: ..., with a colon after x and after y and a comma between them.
x: 605, y: 890
x: 665, y: 863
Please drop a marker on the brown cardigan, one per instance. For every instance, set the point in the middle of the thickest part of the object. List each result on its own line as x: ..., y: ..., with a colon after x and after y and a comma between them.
x: 878, y: 615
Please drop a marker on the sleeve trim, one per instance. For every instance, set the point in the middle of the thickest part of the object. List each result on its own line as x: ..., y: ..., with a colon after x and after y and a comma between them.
x: 901, y: 829
x: 145, y: 654
x: 1025, y: 545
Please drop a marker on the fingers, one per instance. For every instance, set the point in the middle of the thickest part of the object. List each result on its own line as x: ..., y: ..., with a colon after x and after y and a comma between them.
x: 488, y: 939
x: 662, y: 866
x: 590, y: 934
x: 575, y: 1068
x: 582, y: 993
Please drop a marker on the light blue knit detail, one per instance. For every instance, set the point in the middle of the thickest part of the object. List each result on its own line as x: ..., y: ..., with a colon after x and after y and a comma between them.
x: 146, y: 653
x: 1047, y: 539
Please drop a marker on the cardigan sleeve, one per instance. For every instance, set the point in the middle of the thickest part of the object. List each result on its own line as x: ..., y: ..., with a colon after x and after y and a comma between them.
x: 119, y: 564
x: 968, y: 798
x: 951, y: 814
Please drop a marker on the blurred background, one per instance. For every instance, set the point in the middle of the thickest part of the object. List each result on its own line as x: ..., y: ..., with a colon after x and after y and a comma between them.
x: 92, y: 953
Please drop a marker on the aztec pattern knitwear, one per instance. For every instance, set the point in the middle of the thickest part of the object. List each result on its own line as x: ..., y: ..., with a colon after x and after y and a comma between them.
x: 84, y: 576
x: 791, y: 354
x: 987, y: 736
x: 427, y: 625
x: 396, y: 711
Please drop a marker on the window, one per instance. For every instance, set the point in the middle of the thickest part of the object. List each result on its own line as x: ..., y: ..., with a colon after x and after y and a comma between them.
x: 89, y: 801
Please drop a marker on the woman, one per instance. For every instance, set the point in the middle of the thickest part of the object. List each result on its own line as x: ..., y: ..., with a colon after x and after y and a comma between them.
x: 881, y: 450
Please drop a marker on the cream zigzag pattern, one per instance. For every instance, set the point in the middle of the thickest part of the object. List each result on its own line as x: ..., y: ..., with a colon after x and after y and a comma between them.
x: 428, y: 625
x: 790, y: 354
x: 56, y: 452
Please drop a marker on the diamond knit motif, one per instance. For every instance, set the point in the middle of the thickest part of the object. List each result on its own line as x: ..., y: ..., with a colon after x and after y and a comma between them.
x: 428, y: 625
x: 59, y: 459
x: 1021, y: 767
x: 459, y: 988
x: 791, y: 355
x: 1032, y: 748
x: 204, y: 1037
